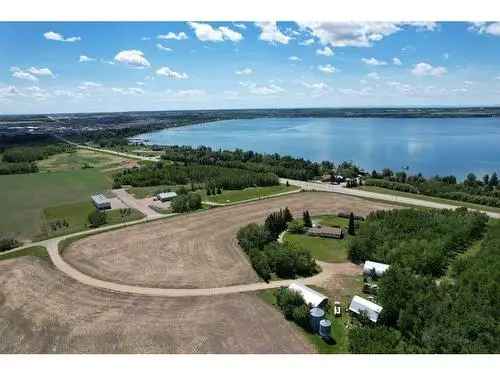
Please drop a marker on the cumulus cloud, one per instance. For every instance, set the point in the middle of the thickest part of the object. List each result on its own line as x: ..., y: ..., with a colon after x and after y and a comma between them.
x: 171, y: 35
x: 328, y: 69
x: 51, y: 35
x: 307, y: 42
x: 133, y: 58
x: 206, y: 33
x: 21, y: 74
x: 492, y: 28
x: 8, y: 91
x: 294, y: 58
x: 89, y: 85
x: 255, y: 89
x: 128, y: 90
x: 317, y: 88
x: 244, y: 72
x: 325, y: 51
x: 187, y: 94
x: 84, y: 58
x: 425, y: 69
x: 167, y: 72
x: 161, y: 47
x: 396, y: 61
x: 269, y: 32
x: 424, y: 26
x: 373, y: 61
x: 240, y: 26
x: 373, y: 75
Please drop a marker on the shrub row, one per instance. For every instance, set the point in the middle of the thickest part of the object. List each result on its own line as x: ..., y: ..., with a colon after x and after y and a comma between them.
x: 391, y: 185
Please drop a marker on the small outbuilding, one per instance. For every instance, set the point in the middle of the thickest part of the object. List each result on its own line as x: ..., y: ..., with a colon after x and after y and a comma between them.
x: 360, y: 305
x: 310, y: 296
x: 327, y: 232
x: 374, y: 267
x: 166, y: 196
x: 101, y: 202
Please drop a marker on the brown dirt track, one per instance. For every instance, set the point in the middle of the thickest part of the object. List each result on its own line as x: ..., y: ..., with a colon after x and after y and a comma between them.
x: 43, y: 311
x: 196, y: 250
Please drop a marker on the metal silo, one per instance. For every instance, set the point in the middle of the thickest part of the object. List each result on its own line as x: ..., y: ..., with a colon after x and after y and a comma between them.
x: 324, y: 328
x: 316, y: 315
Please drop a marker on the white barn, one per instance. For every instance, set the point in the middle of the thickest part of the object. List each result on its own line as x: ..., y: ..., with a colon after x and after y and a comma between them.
x: 360, y: 305
x: 166, y: 196
x: 378, y: 268
x: 101, y: 202
x: 310, y: 296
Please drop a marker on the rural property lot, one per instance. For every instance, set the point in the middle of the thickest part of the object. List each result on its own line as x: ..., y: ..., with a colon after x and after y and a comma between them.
x: 43, y: 311
x: 198, y: 250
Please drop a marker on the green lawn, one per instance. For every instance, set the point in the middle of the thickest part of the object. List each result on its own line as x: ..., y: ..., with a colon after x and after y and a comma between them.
x: 331, y: 220
x: 36, y: 251
x: 27, y: 195
x: 149, y: 191
x: 76, y: 216
x: 324, y: 249
x: 377, y: 189
x: 71, y: 161
x: 232, y: 196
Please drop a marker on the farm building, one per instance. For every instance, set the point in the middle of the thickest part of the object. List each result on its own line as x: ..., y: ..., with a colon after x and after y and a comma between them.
x: 310, y: 296
x: 166, y: 196
x: 374, y: 267
x: 360, y: 305
x: 101, y: 202
x: 328, y: 232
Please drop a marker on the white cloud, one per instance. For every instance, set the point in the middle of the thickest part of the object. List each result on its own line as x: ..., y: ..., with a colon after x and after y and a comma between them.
x: 425, y: 69
x: 133, y: 58
x: 38, y: 93
x: 255, y: 89
x: 109, y: 62
x: 307, y: 42
x: 9, y: 91
x: 240, y: 26
x: 41, y: 71
x: 328, y: 69
x: 51, y: 35
x: 84, y: 58
x: 373, y: 61
x: 424, y: 26
x: 88, y: 85
x: 396, y: 61
x: 179, y: 36
x: 187, y: 94
x: 167, y: 72
x: 492, y: 28
x: 373, y: 75
x: 318, y: 88
x: 244, y: 72
x: 206, y: 33
x: 21, y: 74
x: 271, y: 33
x: 294, y: 58
x: 350, y: 34
x: 326, y: 51
x: 128, y: 91
x: 146, y: 38
x: 161, y: 47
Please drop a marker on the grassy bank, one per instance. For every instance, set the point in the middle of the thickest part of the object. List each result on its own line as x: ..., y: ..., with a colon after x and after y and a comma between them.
x: 35, y: 251
x: 233, y: 196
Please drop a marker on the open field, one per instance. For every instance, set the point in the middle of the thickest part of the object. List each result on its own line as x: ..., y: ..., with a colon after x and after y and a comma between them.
x: 232, y: 196
x: 198, y: 250
x: 43, y: 311
x: 82, y: 158
x: 28, y: 194
x: 376, y: 189
x: 76, y: 216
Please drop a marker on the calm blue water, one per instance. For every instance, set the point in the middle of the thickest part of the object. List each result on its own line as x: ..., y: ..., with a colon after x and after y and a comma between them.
x: 429, y: 146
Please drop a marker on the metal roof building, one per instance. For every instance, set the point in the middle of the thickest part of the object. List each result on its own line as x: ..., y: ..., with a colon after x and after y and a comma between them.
x: 101, y: 202
x: 360, y: 305
x: 310, y: 296
x: 378, y: 268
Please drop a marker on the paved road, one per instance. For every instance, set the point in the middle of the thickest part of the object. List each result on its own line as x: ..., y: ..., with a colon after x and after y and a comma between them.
x: 313, y: 186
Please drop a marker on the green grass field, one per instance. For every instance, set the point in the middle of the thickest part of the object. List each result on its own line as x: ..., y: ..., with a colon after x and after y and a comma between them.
x: 27, y: 195
x: 149, y: 191
x: 36, y: 251
x: 377, y: 189
x: 323, y: 249
x: 331, y: 220
x: 77, y: 160
x: 232, y: 196
x: 76, y: 216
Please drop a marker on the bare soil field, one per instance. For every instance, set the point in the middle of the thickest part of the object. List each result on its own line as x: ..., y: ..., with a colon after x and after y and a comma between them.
x: 43, y: 311
x: 198, y: 250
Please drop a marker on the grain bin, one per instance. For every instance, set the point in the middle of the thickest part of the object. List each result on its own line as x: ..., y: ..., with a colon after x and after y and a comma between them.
x: 324, y: 328
x: 316, y: 315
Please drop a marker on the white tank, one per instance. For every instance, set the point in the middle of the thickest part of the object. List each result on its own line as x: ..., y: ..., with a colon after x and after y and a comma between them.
x: 316, y: 315
x: 324, y: 328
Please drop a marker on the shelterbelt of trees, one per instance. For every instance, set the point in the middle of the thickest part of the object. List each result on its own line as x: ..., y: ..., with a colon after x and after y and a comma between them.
x: 221, y: 177
x: 422, y: 313
x: 484, y: 191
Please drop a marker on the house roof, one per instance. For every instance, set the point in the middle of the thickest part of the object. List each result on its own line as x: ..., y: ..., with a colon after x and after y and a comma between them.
x: 379, y: 268
x: 100, y: 199
x: 166, y: 195
x: 310, y: 296
x: 359, y: 305
x: 337, y: 231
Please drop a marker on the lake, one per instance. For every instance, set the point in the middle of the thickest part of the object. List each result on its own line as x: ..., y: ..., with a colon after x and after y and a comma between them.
x: 430, y: 146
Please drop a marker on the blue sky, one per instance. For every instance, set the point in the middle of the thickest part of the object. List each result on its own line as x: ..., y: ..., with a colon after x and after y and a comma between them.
x: 114, y: 66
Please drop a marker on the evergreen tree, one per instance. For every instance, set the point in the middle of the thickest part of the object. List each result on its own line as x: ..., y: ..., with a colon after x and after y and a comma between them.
x: 351, y: 230
x: 287, y: 215
x: 307, y: 219
x: 494, y: 179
